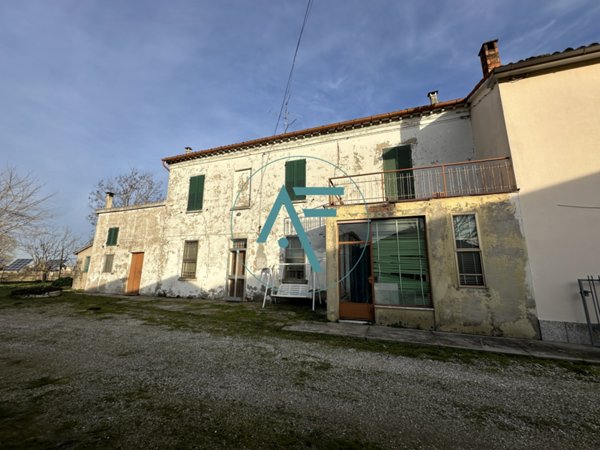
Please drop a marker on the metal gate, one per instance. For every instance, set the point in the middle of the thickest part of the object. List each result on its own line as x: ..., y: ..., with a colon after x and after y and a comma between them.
x: 589, y: 288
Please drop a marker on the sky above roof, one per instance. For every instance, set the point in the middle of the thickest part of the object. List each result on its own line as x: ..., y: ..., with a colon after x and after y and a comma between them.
x: 90, y: 89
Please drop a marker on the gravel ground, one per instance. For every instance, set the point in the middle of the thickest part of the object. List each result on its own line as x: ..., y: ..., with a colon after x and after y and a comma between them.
x: 71, y: 381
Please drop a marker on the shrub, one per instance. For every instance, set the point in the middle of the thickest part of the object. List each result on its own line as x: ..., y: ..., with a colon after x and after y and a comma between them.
x: 65, y: 281
x: 34, y: 290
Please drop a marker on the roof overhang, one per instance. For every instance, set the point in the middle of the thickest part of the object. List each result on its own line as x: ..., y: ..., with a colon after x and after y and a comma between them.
x: 321, y: 130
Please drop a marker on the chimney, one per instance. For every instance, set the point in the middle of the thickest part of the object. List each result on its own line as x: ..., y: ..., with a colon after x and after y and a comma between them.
x: 109, y: 200
x: 490, y: 56
x: 188, y: 150
x: 433, y: 97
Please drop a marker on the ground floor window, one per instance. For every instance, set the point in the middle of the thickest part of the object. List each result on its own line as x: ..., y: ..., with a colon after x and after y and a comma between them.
x: 190, y: 259
x: 108, y: 263
x: 86, y: 264
x: 468, y: 252
x: 236, y: 273
x: 400, y: 265
x: 294, y: 267
x: 384, y: 262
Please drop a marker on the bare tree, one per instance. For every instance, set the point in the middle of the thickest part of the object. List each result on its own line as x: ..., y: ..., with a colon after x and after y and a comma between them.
x: 50, y: 249
x: 21, y: 207
x: 132, y: 188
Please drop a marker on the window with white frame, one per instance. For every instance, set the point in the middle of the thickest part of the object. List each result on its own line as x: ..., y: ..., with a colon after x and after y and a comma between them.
x: 468, y: 250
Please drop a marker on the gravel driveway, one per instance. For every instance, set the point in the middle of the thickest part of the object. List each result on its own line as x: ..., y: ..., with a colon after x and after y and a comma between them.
x: 88, y: 381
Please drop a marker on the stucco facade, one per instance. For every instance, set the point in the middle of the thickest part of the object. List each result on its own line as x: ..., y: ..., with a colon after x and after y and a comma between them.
x: 524, y: 239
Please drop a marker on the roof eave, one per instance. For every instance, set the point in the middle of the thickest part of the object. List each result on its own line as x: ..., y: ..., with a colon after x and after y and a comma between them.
x: 316, y: 131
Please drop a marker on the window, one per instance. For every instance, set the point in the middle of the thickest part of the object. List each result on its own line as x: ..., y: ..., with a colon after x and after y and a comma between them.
x: 113, y: 235
x: 295, y: 176
x: 400, y: 263
x: 294, y: 261
x: 196, y: 193
x: 86, y: 264
x: 190, y: 257
x: 468, y: 252
x: 108, y: 263
x: 241, y: 189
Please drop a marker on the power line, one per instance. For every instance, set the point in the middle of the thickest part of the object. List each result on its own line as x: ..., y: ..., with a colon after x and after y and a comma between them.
x: 287, y: 94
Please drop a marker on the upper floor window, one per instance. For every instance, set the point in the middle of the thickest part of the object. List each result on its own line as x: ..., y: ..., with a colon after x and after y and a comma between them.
x: 196, y: 193
x: 295, y: 176
x: 113, y: 236
x: 241, y: 188
x: 86, y: 264
x: 468, y: 251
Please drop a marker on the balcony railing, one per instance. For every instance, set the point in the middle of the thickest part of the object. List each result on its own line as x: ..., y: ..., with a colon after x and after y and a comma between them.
x: 485, y: 176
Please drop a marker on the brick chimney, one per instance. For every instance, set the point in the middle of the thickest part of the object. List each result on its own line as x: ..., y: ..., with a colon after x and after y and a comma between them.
x: 490, y: 56
x: 109, y: 200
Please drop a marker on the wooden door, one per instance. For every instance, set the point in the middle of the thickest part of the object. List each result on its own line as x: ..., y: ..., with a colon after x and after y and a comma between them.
x: 135, y: 274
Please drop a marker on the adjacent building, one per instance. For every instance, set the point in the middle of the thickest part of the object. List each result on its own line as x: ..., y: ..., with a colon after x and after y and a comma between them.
x: 474, y: 215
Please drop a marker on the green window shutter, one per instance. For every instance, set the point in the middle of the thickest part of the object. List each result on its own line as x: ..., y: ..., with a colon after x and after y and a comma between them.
x: 295, y: 176
x: 86, y: 264
x: 196, y: 193
x: 399, y: 185
x: 113, y: 236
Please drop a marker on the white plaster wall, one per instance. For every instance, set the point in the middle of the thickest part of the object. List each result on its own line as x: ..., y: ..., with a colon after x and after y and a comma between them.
x: 487, y: 118
x: 439, y: 137
x: 140, y: 230
x: 553, y: 128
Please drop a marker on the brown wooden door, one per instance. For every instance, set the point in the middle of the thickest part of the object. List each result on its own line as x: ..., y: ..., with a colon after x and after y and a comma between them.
x: 135, y: 274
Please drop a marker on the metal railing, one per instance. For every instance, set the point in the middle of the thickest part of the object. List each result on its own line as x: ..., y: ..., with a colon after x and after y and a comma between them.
x: 485, y: 176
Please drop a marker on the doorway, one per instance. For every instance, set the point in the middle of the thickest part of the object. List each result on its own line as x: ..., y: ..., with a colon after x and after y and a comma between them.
x: 356, y: 282
x: 236, y: 272
x: 135, y: 274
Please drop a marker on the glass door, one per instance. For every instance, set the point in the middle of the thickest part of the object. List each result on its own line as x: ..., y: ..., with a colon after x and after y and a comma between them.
x: 356, y: 282
x: 236, y: 274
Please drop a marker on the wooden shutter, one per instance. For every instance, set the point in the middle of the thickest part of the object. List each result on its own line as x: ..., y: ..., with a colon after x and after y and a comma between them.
x: 196, y: 193
x: 113, y: 236
x: 398, y: 185
x: 295, y: 176
x: 86, y: 264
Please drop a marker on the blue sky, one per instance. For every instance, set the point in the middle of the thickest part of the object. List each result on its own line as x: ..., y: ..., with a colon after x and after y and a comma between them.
x: 92, y: 88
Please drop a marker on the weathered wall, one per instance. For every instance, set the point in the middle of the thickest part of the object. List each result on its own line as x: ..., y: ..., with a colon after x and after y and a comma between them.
x: 554, y: 130
x: 141, y: 229
x: 504, y: 307
x: 443, y: 136
x: 79, y: 276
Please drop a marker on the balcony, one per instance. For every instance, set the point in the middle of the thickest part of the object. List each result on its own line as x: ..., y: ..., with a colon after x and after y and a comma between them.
x: 485, y: 176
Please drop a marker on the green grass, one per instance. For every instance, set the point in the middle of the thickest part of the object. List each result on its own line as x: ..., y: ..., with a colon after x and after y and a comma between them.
x: 250, y: 320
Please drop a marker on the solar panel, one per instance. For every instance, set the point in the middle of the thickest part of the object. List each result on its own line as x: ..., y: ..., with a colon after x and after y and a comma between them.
x: 18, y: 264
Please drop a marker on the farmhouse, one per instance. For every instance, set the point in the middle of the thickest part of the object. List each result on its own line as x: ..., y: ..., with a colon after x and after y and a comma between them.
x: 475, y: 215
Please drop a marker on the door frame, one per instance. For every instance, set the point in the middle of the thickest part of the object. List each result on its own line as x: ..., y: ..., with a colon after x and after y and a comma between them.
x: 130, y: 280
x: 356, y: 310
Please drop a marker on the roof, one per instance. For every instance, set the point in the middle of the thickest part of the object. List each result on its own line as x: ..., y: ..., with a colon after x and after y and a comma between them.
x: 584, y: 50
x: 18, y: 264
x: 85, y: 247
x: 317, y: 131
